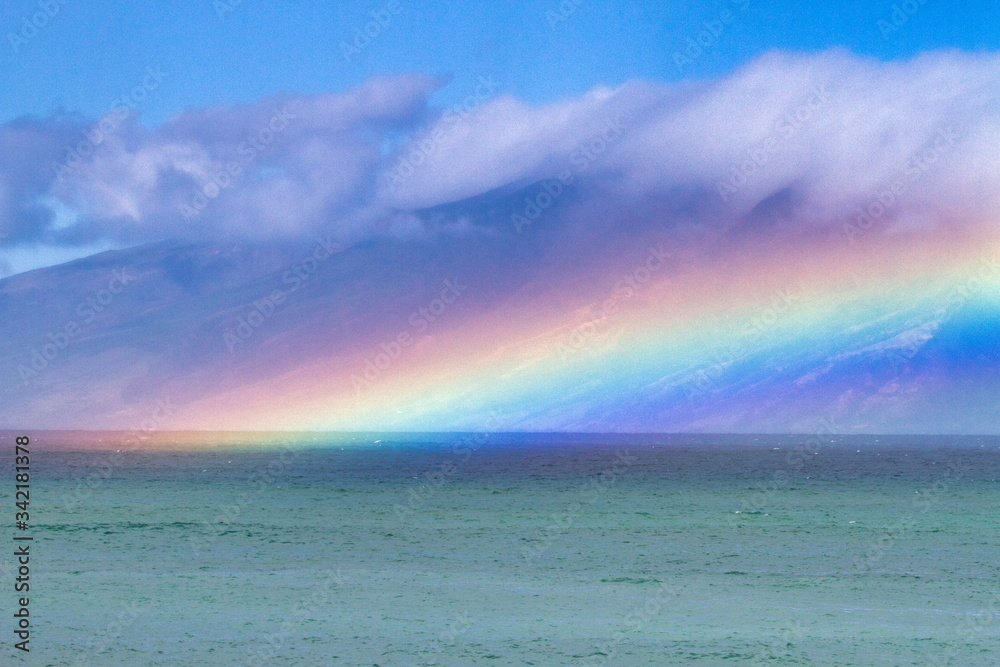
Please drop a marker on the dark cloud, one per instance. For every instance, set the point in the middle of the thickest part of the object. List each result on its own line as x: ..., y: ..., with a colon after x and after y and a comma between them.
x: 28, y: 150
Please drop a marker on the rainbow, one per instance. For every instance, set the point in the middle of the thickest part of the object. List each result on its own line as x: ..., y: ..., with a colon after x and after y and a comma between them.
x: 698, y: 347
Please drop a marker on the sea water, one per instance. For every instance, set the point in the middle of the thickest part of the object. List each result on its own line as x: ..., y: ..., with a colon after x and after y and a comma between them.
x: 588, y: 550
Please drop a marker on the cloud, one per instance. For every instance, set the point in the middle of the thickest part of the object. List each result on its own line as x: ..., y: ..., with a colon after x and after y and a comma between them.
x: 27, y: 146
x: 804, y: 142
x: 910, y: 144
x: 282, y: 166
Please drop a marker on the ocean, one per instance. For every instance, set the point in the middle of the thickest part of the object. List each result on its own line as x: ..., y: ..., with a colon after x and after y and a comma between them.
x: 519, y: 550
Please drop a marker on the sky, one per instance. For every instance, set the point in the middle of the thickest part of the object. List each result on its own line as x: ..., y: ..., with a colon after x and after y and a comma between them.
x: 87, y: 57
x: 617, y: 183
x: 88, y: 53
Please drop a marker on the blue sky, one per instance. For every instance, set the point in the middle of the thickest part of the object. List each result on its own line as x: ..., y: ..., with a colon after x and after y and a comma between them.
x: 89, y: 52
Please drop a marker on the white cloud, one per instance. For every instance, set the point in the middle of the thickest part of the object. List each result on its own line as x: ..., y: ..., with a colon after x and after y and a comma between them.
x: 835, y: 130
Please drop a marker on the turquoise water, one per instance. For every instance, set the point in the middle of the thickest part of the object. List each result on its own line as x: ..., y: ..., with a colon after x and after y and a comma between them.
x: 761, y: 551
